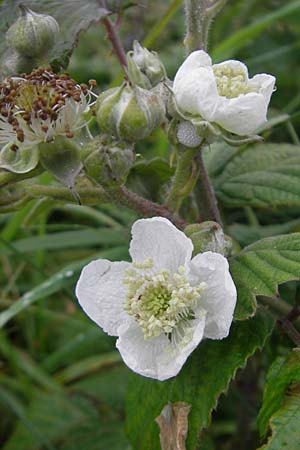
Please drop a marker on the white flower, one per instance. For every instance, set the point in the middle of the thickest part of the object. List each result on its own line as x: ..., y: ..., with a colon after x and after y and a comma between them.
x: 163, y: 303
x: 36, y: 108
x: 223, y: 93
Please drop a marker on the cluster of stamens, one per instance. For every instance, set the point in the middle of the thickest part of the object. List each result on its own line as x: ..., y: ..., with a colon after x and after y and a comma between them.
x: 37, y: 98
x: 161, y: 302
x: 232, y: 81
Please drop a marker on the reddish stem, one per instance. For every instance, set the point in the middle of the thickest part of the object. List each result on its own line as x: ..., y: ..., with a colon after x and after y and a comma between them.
x: 116, y: 41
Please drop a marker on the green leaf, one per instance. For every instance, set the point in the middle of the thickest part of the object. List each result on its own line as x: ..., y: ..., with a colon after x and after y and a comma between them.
x: 262, y: 176
x: 248, y: 234
x: 200, y: 383
x: 73, y: 17
x: 281, y: 404
x: 259, y: 268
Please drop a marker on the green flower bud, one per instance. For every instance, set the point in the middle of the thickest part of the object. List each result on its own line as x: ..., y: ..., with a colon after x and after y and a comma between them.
x: 61, y: 158
x: 107, y: 161
x: 129, y: 114
x: 145, y: 69
x: 209, y: 236
x: 32, y: 34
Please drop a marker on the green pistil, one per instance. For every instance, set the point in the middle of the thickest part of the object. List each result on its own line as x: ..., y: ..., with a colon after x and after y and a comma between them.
x: 161, y: 301
x: 232, y: 81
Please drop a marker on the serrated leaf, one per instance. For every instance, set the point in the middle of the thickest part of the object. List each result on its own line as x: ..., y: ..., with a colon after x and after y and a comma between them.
x: 201, y: 381
x: 73, y: 17
x: 283, y: 371
x: 262, y: 176
x: 261, y: 267
x: 281, y: 404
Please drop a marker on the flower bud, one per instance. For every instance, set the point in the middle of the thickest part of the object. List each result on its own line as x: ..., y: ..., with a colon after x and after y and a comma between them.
x: 145, y: 69
x: 62, y: 159
x: 129, y: 114
x: 32, y: 34
x: 209, y: 236
x: 107, y: 161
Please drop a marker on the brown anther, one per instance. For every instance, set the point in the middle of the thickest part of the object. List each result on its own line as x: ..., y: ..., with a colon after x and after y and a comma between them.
x: 92, y: 82
x: 70, y: 134
x: 14, y: 147
x: 45, y: 128
x: 20, y: 135
x: 4, y: 111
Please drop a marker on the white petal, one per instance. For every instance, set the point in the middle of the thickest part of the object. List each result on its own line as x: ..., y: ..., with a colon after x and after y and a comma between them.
x: 242, y: 115
x: 196, y: 93
x: 266, y: 85
x: 219, y: 298
x: 101, y: 293
x: 195, y: 60
x: 155, y: 358
x: 159, y: 239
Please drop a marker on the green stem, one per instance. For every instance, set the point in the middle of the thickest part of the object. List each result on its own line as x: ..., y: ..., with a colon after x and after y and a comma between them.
x: 184, y: 179
x: 89, y: 196
x: 205, y: 194
x: 97, y: 195
x: 199, y: 14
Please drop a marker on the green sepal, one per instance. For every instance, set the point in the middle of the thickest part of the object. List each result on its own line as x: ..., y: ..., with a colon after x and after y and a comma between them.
x: 22, y: 160
x: 62, y: 159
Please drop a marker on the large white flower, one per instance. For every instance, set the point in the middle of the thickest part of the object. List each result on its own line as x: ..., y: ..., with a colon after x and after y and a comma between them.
x: 223, y: 93
x: 163, y: 303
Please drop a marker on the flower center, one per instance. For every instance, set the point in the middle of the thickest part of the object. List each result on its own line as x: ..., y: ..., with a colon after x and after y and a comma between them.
x: 160, y: 302
x: 232, y: 81
x: 30, y: 104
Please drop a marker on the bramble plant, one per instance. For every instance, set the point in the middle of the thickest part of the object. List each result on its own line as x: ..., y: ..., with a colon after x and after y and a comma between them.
x: 187, y: 153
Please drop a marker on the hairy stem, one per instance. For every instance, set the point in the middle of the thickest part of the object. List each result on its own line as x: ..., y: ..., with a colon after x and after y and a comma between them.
x: 142, y: 205
x: 97, y: 195
x: 199, y: 14
x: 184, y: 179
x: 205, y: 194
x: 116, y: 41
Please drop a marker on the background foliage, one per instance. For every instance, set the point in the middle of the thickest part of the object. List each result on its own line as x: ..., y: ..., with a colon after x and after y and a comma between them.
x: 62, y: 384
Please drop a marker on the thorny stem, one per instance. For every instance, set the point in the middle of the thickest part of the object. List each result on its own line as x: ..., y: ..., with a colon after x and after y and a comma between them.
x: 205, y: 194
x: 116, y: 41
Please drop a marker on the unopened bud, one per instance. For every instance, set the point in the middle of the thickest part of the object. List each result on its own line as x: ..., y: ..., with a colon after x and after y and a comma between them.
x: 62, y: 159
x: 129, y: 114
x: 32, y: 34
x: 145, y: 69
x: 209, y: 236
x: 107, y: 161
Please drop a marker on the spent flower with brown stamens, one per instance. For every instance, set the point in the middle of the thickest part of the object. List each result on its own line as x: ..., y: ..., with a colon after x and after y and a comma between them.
x: 39, y: 106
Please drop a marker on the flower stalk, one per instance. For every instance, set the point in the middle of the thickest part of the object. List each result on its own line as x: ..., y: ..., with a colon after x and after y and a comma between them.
x: 184, y: 179
x: 199, y: 14
x: 205, y: 194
